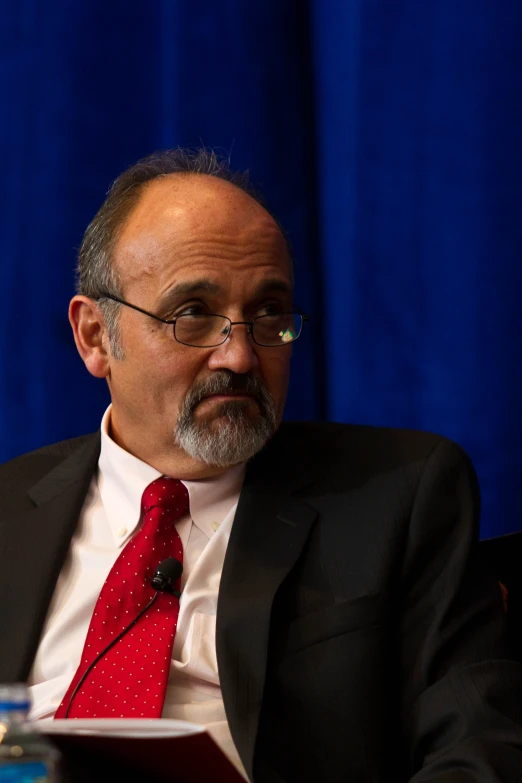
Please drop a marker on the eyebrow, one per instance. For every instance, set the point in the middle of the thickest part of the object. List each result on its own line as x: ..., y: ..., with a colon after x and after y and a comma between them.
x: 189, y: 288
x: 193, y: 287
x: 274, y: 285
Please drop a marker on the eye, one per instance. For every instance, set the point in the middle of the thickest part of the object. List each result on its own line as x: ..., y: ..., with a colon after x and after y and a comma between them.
x: 195, y: 308
x: 272, y: 308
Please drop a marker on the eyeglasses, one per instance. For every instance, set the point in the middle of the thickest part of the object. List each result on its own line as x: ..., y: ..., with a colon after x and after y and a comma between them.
x: 208, y: 330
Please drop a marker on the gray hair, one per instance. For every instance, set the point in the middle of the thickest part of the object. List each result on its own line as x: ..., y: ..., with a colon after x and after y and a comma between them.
x: 96, y: 275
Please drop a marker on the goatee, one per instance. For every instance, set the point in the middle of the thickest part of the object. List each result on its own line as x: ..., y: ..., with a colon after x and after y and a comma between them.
x: 231, y: 434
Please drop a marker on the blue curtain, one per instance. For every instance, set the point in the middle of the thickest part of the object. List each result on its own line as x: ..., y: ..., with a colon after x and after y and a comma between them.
x: 384, y: 133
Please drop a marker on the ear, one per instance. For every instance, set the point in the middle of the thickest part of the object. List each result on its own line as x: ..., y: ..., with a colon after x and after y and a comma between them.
x: 90, y: 335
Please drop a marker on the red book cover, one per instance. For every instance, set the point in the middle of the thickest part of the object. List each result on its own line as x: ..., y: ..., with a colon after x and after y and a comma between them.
x: 159, y: 751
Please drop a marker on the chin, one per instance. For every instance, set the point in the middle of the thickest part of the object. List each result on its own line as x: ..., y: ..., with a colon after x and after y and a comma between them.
x: 224, y: 431
x: 224, y: 412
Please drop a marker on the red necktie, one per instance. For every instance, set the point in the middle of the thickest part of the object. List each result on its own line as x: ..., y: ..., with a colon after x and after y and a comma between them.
x: 130, y: 680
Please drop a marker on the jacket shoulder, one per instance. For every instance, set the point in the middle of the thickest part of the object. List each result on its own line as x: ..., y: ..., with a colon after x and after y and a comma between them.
x: 358, y: 439
x: 360, y: 451
x: 26, y: 469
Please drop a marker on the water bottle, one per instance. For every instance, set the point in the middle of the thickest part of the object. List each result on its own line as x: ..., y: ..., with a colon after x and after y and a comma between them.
x: 25, y: 756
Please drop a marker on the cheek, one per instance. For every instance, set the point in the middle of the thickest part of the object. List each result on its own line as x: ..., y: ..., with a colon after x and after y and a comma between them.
x: 176, y: 377
x: 276, y: 372
x: 159, y: 372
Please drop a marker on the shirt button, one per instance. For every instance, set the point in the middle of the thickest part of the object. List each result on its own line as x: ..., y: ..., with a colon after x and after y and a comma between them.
x: 214, y: 526
x: 122, y: 531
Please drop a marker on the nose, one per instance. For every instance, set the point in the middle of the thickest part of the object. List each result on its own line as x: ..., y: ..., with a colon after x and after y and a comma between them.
x: 237, y: 353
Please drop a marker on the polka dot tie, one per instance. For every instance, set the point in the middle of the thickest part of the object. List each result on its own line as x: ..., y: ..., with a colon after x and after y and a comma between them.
x: 130, y: 680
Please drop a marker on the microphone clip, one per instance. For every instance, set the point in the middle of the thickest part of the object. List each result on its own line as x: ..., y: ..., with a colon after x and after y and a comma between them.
x: 166, y: 575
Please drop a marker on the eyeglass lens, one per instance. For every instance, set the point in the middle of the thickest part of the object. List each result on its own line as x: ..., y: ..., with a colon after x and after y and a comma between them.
x: 210, y: 330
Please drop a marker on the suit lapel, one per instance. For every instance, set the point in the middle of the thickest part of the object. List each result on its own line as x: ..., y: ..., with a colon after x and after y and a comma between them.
x: 34, y: 547
x: 269, y: 531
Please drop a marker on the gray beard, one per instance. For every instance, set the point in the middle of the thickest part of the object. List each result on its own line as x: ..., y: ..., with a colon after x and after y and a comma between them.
x: 237, y: 437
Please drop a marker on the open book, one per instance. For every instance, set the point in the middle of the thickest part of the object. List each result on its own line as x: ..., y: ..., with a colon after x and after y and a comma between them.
x: 159, y: 751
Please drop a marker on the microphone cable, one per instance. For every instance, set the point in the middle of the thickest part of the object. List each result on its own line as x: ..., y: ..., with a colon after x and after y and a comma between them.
x: 166, y: 573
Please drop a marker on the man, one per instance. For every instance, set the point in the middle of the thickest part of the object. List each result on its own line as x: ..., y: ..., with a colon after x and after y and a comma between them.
x: 357, y: 636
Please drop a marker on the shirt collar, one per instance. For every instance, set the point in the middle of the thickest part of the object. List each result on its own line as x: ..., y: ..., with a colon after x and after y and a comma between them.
x: 122, y: 479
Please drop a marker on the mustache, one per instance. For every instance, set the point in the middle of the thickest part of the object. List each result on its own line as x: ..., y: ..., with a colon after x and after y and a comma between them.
x: 227, y: 382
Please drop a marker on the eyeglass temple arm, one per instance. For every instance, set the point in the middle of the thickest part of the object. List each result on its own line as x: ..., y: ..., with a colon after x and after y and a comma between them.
x: 105, y: 295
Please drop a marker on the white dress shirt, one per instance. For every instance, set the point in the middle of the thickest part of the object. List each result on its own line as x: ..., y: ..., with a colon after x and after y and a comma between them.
x: 109, y: 517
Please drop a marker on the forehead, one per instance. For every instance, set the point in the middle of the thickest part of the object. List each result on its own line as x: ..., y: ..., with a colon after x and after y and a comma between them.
x: 183, y: 222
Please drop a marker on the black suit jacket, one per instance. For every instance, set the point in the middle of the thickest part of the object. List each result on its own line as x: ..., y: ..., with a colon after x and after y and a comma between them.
x: 359, y: 637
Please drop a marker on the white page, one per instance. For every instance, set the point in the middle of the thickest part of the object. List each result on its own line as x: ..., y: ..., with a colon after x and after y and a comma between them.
x: 119, y: 727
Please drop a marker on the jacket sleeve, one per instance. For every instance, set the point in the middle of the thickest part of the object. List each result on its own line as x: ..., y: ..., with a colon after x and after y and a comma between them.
x: 462, y: 694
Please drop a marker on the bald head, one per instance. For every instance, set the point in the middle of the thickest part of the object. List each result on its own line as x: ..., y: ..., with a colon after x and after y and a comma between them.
x: 185, y: 228
x: 197, y: 218
x: 95, y: 272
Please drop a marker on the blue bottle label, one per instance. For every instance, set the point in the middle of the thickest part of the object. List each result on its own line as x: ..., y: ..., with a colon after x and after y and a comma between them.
x: 24, y: 772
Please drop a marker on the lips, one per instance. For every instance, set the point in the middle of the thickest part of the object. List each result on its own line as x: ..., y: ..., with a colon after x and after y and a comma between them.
x: 227, y: 386
x: 229, y: 394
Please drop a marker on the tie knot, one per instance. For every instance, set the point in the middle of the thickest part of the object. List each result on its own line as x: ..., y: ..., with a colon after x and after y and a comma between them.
x: 166, y: 493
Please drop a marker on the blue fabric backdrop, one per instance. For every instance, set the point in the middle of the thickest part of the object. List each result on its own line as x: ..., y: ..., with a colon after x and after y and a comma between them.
x: 386, y: 135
